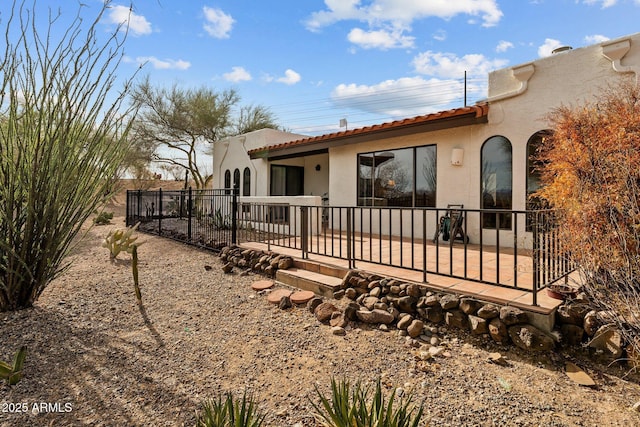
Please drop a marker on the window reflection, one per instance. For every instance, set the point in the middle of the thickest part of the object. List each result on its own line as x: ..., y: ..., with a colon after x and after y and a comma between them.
x: 496, y: 181
x: 389, y: 178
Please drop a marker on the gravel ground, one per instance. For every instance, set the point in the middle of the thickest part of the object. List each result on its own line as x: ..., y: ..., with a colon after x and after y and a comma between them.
x: 95, y: 358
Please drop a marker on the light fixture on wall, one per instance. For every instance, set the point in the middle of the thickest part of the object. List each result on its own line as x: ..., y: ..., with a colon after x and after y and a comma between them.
x: 318, y: 168
x: 457, y: 155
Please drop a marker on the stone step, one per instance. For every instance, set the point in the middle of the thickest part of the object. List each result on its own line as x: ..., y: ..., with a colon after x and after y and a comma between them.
x: 318, y: 267
x: 321, y: 284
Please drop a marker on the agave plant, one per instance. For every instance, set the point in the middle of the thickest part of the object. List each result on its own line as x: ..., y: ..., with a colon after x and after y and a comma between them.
x: 230, y: 412
x: 13, y: 373
x: 354, y: 406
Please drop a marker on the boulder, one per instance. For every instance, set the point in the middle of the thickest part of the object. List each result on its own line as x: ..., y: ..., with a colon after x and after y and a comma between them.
x: 498, y: 331
x: 609, y: 341
x: 572, y: 314
x: 375, y: 316
x: 369, y: 302
x: 449, y: 302
x: 530, y: 338
x: 406, y: 304
x: 324, y: 311
x: 488, y: 311
x: 434, y: 314
x: 415, y: 328
x: 456, y: 318
x: 478, y: 325
x: 512, y: 315
x: 414, y: 290
x: 313, y: 303
x: 469, y: 305
x: 404, y: 321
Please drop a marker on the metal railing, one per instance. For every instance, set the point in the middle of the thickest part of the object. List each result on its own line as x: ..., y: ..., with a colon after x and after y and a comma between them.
x: 514, y: 249
x: 206, y: 218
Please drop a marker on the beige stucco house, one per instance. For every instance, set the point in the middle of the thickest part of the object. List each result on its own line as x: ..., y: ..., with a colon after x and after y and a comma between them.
x: 477, y: 156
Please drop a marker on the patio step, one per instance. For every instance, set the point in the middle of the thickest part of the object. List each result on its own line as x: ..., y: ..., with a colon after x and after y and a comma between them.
x: 311, y: 276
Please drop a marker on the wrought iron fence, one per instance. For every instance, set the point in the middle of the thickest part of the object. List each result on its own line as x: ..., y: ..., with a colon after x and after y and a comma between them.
x: 204, y: 218
x: 455, y: 242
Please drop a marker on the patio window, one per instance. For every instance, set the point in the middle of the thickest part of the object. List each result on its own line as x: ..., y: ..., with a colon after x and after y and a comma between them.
x: 496, y: 181
x: 246, y: 182
x: 287, y: 180
x: 401, y: 178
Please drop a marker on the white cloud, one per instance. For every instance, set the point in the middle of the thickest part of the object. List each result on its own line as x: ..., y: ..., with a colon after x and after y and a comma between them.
x: 138, y: 24
x: 596, y: 38
x: 407, y: 96
x: 605, y: 3
x: 440, y: 35
x: 403, y: 12
x: 159, y: 64
x: 218, y: 24
x: 503, y: 46
x: 237, y: 74
x: 379, y: 39
x: 448, y: 65
x: 547, y: 48
x: 290, y: 77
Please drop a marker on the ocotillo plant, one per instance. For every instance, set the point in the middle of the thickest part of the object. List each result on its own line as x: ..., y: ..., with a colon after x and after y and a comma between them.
x: 134, y: 269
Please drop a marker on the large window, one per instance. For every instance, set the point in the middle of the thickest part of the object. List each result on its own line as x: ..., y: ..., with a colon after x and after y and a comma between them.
x: 287, y: 180
x: 403, y: 177
x: 236, y: 178
x: 227, y: 179
x: 496, y: 181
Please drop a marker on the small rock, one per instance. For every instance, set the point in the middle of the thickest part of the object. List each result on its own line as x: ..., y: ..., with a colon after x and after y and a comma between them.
x: 530, y: 338
x: 457, y: 319
x: 313, y: 303
x: 285, y: 263
x: 404, y: 322
x: 285, y: 302
x: 338, y: 330
x: 227, y: 268
x: 375, y: 292
x: 578, y: 376
x: 572, y: 314
x: 571, y: 334
x: 415, y: 328
x: 469, y: 305
x: 498, y: 359
x: 383, y: 328
x: 351, y: 293
x: 414, y: 290
x: 498, y: 331
x: 324, y: 311
x: 434, y: 314
x: 207, y: 268
x: 636, y: 406
x: 609, y: 340
x: 478, y: 325
x: 339, y: 294
x: 375, y: 316
x: 338, y: 319
x: 350, y: 311
x: 436, y: 351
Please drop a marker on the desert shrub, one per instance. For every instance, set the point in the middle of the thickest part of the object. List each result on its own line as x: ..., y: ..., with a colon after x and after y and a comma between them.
x: 592, y: 176
x: 103, y: 218
x: 229, y: 412
x: 63, y: 135
x: 355, y: 405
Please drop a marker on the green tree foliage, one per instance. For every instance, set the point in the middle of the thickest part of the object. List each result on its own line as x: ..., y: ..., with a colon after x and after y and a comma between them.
x: 592, y: 175
x: 63, y: 136
x: 176, y: 123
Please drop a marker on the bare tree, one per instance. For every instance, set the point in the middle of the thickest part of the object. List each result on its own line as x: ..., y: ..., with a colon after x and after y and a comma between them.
x: 177, y: 122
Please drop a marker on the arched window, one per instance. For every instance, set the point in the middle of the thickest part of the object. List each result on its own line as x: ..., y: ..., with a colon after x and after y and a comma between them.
x: 246, y: 182
x: 534, y: 172
x: 227, y: 179
x: 496, y: 181
x: 236, y: 178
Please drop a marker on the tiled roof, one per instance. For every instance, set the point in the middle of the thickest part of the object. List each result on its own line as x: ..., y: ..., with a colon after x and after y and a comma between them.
x: 477, y: 111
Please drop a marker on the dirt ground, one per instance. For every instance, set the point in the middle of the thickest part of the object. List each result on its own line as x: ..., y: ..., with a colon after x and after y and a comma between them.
x: 95, y: 358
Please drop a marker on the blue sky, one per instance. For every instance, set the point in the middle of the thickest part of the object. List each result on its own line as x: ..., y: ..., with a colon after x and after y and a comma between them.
x: 313, y: 62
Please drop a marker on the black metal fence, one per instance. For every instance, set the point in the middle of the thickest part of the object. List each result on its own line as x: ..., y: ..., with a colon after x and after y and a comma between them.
x: 204, y: 218
x: 525, y: 253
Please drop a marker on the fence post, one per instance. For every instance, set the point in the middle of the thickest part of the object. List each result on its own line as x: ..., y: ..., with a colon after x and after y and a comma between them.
x: 139, y: 204
x: 304, y: 225
x: 536, y: 257
x: 127, y: 222
x: 234, y: 214
x: 160, y: 211
x: 349, y: 238
x: 189, y: 200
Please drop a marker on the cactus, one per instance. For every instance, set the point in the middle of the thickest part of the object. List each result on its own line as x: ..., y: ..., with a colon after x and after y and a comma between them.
x: 13, y: 373
x: 119, y: 240
x: 134, y: 269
